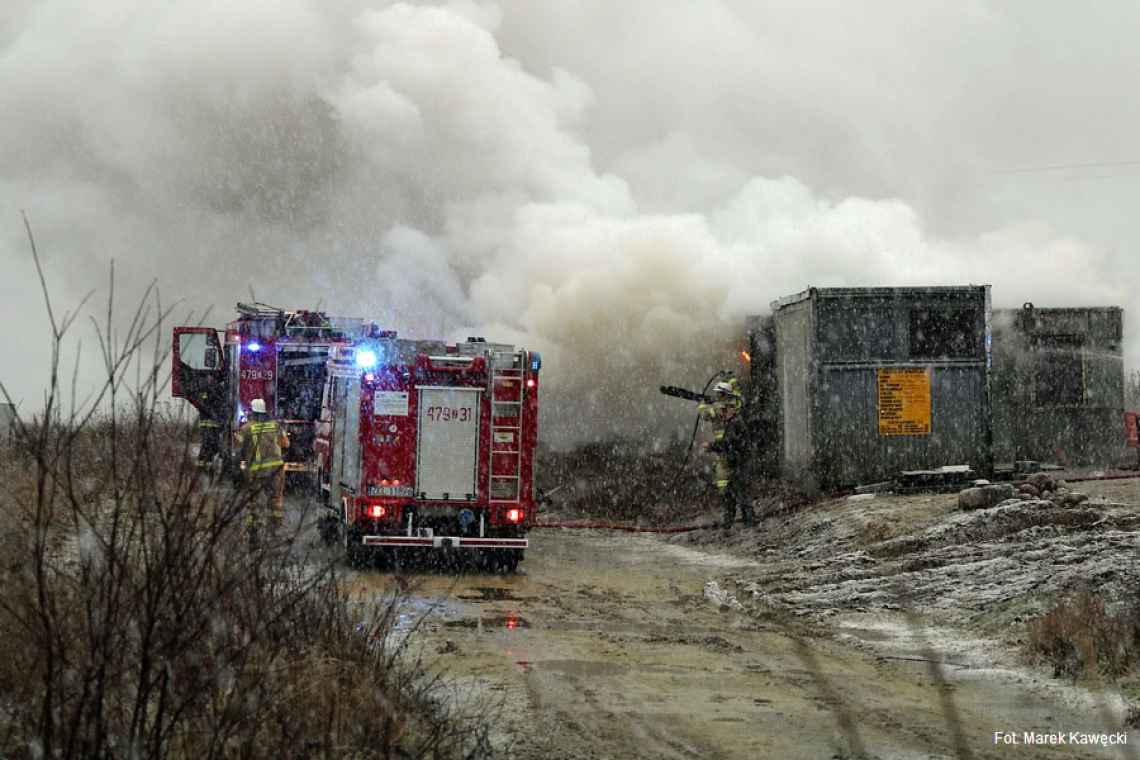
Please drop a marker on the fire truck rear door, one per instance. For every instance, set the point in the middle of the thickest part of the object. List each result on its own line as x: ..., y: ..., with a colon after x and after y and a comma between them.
x: 447, y: 444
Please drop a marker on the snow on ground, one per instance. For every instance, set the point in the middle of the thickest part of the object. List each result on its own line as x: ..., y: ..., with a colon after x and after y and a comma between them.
x: 914, y: 577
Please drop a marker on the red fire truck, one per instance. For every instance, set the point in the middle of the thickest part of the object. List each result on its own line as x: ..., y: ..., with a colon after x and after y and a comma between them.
x: 424, y: 446
x: 273, y: 354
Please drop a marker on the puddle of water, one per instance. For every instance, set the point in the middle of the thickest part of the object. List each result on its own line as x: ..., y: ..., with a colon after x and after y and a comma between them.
x: 415, y: 609
x: 507, y: 622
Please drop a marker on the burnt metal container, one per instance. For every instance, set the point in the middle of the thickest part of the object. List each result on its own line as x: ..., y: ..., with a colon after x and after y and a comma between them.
x: 1058, y: 385
x: 860, y: 384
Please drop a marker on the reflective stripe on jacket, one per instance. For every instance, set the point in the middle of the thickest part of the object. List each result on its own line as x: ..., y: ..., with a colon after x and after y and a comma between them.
x: 720, y: 413
x: 261, y: 444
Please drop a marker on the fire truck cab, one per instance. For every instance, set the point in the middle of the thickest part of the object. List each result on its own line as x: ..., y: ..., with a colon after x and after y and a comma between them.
x: 273, y: 354
x: 424, y: 446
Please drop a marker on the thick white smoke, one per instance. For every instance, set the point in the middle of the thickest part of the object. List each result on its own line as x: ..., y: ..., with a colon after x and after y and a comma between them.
x: 391, y: 161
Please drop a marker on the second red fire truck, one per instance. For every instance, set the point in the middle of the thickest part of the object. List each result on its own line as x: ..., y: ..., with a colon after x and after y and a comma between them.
x: 278, y: 355
x: 424, y: 446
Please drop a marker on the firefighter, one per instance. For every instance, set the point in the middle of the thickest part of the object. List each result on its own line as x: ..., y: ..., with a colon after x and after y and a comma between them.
x: 209, y: 438
x: 260, y: 442
x: 723, y: 412
x: 209, y: 429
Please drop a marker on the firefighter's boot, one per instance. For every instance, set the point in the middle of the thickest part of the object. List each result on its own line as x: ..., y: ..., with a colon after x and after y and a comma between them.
x: 748, y: 516
x: 728, y: 507
x: 276, y: 517
x: 253, y: 533
x: 275, y: 526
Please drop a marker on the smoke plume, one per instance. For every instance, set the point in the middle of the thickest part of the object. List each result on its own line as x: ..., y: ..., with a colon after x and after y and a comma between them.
x: 616, y: 185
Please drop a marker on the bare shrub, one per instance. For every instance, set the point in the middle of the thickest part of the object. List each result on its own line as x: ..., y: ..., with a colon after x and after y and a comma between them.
x: 136, y: 620
x: 622, y: 480
x: 1081, y: 638
x: 876, y: 530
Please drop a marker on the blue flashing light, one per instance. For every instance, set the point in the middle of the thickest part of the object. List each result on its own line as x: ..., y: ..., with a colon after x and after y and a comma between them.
x: 535, y: 361
x: 365, y: 359
x: 253, y: 346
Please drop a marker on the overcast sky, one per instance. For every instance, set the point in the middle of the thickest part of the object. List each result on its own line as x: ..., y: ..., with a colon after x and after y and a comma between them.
x: 617, y: 184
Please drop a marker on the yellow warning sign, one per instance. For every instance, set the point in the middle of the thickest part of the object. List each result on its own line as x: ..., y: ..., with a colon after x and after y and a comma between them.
x: 904, y: 402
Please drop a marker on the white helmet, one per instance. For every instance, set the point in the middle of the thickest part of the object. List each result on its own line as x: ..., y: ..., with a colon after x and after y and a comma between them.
x: 257, y: 406
x: 725, y: 389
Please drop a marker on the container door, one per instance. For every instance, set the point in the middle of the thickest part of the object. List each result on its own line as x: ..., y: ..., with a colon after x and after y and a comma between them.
x: 447, y: 445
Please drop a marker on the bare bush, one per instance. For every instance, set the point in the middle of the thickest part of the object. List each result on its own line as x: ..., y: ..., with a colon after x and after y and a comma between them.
x: 877, y: 530
x: 1080, y: 637
x: 621, y: 480
x: 137, y: 621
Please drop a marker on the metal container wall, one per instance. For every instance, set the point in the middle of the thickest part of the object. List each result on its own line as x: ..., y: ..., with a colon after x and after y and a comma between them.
x: 795, y: 378
x: 1058, y: 385
x: 849, y: 449
x: 841, y: 351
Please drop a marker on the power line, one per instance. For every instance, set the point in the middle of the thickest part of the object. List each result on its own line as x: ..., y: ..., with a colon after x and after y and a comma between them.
x: 1062, y: 167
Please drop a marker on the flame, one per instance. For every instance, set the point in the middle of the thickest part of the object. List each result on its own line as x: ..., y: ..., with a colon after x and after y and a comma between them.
x: 745, y: 356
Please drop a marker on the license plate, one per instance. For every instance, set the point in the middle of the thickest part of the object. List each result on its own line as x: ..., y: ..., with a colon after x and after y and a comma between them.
x: 389, y: 490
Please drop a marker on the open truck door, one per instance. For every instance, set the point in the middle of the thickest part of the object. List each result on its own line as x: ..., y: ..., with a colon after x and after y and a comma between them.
x: 199, y: 370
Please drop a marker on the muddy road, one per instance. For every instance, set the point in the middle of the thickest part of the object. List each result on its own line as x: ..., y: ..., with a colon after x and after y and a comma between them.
x: 615, y: 646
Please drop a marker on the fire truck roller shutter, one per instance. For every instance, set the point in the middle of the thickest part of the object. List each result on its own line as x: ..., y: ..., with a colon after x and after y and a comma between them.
x: 447, y: 444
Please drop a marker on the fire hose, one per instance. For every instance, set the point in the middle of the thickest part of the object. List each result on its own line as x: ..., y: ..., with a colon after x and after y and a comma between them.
x: 626, y: 528
x: 696, y: 425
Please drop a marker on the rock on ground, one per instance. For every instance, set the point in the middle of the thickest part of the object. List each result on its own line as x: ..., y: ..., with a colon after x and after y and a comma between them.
x: 985, y: 496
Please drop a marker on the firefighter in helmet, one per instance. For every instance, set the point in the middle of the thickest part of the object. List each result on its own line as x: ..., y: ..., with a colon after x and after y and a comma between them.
x: 260, y: 442
x: 723, y: 413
